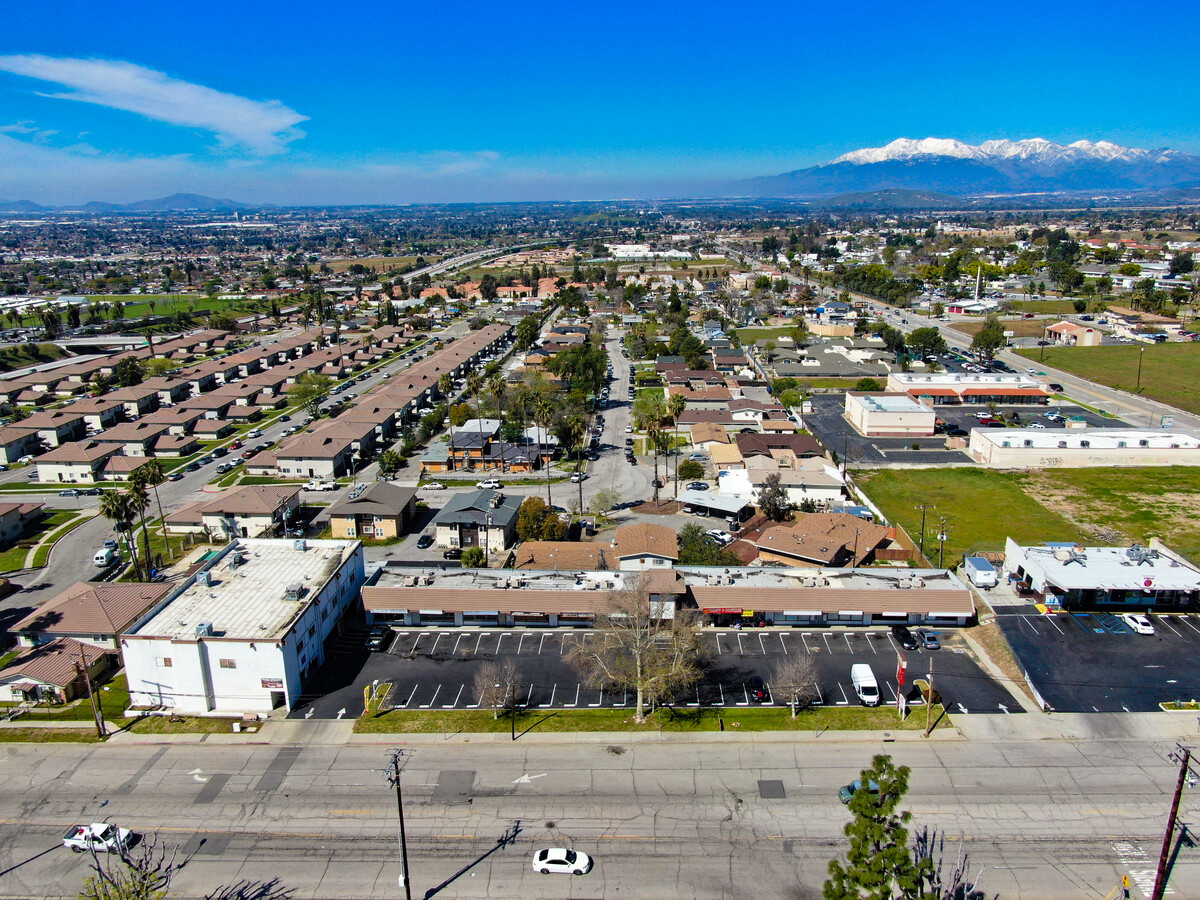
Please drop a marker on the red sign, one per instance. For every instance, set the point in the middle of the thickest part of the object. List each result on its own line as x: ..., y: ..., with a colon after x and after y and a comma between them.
x: 723, y: 611
x: 272, y: 683
x: 901, y: 670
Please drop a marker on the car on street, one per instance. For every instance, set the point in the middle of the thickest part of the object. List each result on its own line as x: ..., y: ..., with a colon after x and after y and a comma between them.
x: 561, y: 861
x: 70, y: 492
x: 110, y: 544
x: 1036, y: 425
x: 100, y: 837
x: 285, y: 418
x: 97, y: 492
x: 379, y: 639
x: 236, y: 445
x: 577, y: 477
x: 424, y: 541
x: 698, y: 486
x: 25, y: 459
x: 1139, y: 623
x: 192, y: 467
x: 489, y: 484
x: 204, y: 460
x: 434, y: 486
x: 1056, y: 387
x: 929, y: 639
x: 904, y: 637
x: 175, y: 476
x: 698, y: 457
x: 256, y: 433
x: 846, y: 794
x: 453, y: 553
x: 629, y: 429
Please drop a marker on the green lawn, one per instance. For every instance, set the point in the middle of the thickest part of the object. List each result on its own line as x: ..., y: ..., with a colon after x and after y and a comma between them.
x: 189, y: 725
x: 749, y: 335
x: 1170, y: 372
x: 48, y: 735
x: 18, y: 356
x: 847, y: 718
x: 14, y: 558
x: 982, y: 507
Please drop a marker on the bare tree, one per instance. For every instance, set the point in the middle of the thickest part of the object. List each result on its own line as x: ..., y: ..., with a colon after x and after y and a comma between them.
x: 497, y: 685
x: 143, y: 873
x: 794, y: 679
x: 947, y: 881
x: 637, y: 646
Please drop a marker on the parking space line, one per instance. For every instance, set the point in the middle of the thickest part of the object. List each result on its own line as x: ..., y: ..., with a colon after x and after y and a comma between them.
x: 542, y: 643
x: 418, y: 640
x: 456, y: 698
x: 431, y: 699
x: 825, y: 637
x: 1029, y: 624
x: 457, y: 642
x: 410, y: 696
x: 804, y: 639
x: 1054, y: 624
x: 1187, y: 620
x: 820, y: 696
x: 719, y: 650
x: 746, y: 697
x: 1075, y: 618
x: 741, y: 649
x: 501, y: 641
x: 1163, y: 620
x: 476, y: 704
x: 624, y: 698
x: 762, y: 642
x: 478, y: 642
x: 576, y: 703
x: 601, y: 701
x: 891, y: 690
x: 720, y: 702
x: 697, y: 703
x: 521, y: 643
x: 871, y: 643
x: 783, y: 644
x: 553, y: 691
x: 845, y: 701
x: 849, y: 646
x: 433, y: 649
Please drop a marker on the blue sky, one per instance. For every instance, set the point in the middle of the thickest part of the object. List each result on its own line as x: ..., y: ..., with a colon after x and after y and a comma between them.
x: 388, y: 102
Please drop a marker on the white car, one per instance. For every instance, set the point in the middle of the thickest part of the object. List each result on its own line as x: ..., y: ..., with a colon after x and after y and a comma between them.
x: 721, y: 537
x: 434, y: 486
x: 1139, y: 623
x: 490, y: 484
x: 561, y: 861
x: 1037, y: 425
x: 256, y: 433
x: 629, y: 429
x: 577, y: 477
x: 99, y: 836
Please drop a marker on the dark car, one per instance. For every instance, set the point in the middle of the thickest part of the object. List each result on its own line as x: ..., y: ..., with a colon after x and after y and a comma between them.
x: 1057, y: 388
x: 285, y: 418
x: 698, y: 486
x: 929, y: 639
x: 424, y: 541
x: 93, y: 492
x: 758, y: 689
x: 956, y: 431
x: 219, y: 451
x: 453, y: 553
x: 904, y: 637
x: 379, y: 638
x: 192, y: 467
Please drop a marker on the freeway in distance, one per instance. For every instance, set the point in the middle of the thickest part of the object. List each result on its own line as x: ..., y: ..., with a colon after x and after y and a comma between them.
x: 752, y: 818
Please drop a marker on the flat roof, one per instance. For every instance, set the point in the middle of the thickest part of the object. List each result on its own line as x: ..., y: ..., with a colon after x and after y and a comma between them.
x: 251, y: 601
x: 1097, y: 438
x: 1110, y: 568
x: 890, y: 403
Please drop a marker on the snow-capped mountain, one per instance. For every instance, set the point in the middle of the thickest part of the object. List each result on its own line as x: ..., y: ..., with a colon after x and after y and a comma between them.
x: 997, y: 166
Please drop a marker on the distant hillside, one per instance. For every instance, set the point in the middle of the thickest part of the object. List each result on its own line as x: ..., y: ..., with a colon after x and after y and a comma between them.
x: 20, y: 206
x: 173, y: 203
x: 891, y: 199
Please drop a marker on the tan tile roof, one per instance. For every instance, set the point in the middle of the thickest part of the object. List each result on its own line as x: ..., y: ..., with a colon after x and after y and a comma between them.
x: 561, y: 556
x: 251, y: 500
x: 53, y: 663
x: 703, y: 432
x: 645, y: 538
x: 949, y: 602
x: 824, y: 537
x: 85, y: 608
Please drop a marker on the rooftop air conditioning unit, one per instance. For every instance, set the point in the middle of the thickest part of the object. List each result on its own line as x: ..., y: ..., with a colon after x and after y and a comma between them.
x: 204, y: 629
x: 294, y: 591
x: 300, y: 544
x: 204, y: 578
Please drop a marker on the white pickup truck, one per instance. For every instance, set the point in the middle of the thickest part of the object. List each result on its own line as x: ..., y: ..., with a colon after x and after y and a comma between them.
x: 318, y: 485
x: 99, y: 836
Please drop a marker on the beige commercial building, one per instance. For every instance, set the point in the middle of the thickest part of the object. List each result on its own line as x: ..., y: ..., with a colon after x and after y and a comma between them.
x: 889, y: 415
x: 1028, y: 448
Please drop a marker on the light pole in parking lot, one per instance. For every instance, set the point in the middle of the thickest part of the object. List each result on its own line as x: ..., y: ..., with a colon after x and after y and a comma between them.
x: 1138, y: 389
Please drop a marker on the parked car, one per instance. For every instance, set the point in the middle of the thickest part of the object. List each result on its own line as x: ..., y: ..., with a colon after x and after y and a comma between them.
x: 1139, y: 623
x: 758, y: 689
x: 489, y: 484
x: 424, y: 541
x: 846, y: 794
x: 721, y: 537
x: 904, y: 637
x: 698, y: 457
x: 256, y: 433
x: 929, y: 639
x: 175, y: 476
x: 629, y: 429
x: 453, y: 553
x: 236, y: 445
x: 434, y: 486
x: 698, y: 486
x: 285, y: 418
x: 577, y: 477
x: 100, y: 837
x: 97, y: 492
x: 70, y: 492
x: 561, y: 861
x: 379, y: 639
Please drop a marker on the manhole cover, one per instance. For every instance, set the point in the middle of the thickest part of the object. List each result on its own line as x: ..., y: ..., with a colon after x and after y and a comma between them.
x: 771, y: 790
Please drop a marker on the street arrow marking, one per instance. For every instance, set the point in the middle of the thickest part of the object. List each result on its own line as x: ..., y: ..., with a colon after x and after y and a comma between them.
x: 341, y: 712
x: 309, y: 714
x: 195, y: 773
x: 1003, y: 708
x: 528, y: 779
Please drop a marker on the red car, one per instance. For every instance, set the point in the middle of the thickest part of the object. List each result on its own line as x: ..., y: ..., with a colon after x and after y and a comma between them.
x: 248, y: 452
x: 236, y: 445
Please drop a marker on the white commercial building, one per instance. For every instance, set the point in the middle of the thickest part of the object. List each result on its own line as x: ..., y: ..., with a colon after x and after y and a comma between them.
x: 1042, y: 448
x: 938, y: 388
x: 243, y: 633
x: 889, y: 415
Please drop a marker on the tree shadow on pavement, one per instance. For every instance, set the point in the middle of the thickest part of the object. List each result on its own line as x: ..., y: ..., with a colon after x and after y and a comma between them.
x: 508, y: 838
x: 252, y: 890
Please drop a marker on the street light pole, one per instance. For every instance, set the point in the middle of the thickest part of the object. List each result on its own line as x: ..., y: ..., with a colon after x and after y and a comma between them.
x: 1138, y: 389
x: 394, y: 777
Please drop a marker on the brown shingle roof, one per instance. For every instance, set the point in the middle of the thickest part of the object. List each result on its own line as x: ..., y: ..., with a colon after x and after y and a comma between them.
x: 825, y: 538
x: 93, y: 608
x: 53, y: 663
x: 561, y: 556
x: 645, y: 538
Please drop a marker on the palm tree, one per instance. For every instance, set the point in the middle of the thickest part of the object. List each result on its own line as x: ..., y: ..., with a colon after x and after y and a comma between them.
x: 675, y: 406
x: 497, y: 387
x: 138, y: 501
x: 543, y: 415
x: 649, y: 413
x: 475, y: 386
x: 115, y: 506
x: 445, y: 383
x: 150, y: 474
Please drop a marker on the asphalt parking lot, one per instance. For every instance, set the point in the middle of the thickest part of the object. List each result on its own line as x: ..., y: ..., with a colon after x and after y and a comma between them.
x: 1093, y: 663
x: 435, y: 669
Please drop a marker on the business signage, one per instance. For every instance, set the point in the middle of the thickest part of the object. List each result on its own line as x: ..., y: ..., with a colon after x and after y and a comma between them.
x: 272, y: 684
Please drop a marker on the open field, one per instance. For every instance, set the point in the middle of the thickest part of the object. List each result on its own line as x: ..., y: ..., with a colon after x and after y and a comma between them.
x: 1097, y: 506
x: 749, y: 335
x: 19, y: 356
x: 1170, y: 372
x: 382, y: 263
x: 1019, y: 327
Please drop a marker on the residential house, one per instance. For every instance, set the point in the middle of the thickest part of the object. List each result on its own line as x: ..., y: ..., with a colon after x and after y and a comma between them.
x: 485, y: 519
x: 255, y: 510
x: 382, y: 511
x: 16, y: 517
x: 826, y: 539
x: 89, y: 612
x: 50, y: 672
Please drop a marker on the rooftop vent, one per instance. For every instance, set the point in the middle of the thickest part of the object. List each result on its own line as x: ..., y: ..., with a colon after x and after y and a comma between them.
x: 204, y: 578
x: 300, y: 544
x: 294, y: 591
x: 204, y: 629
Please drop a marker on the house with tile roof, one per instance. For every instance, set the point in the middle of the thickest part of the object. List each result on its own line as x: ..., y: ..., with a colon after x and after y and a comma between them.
x: 253, y: 510
x: 48, y: 673
x: 643, y: 546
x: 91, y: 612
x: 382, y: 511
x: 824, y: 539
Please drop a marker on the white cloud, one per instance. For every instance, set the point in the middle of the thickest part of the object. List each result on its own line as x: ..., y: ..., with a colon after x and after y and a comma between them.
x: 260, y: 127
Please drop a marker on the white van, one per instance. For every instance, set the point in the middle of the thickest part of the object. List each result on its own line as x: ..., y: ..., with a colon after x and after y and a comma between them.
x: 104, y: 557
x: 865, y: 684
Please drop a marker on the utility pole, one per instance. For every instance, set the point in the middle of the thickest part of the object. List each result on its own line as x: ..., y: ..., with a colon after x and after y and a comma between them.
x: 97, y: 715
x: 929, y: 701
x: 923, y: 507
x: 1141, y: 353
x: 1160, y: 879
x: 942, y: 548
x: 393, y: 775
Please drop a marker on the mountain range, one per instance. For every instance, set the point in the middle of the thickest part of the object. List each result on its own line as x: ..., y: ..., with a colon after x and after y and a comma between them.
x: 174, y: 203
x: 952, y: 167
